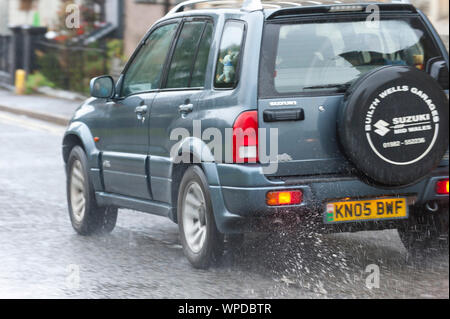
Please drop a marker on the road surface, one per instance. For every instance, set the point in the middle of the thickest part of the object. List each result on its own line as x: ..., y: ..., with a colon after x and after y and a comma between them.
x: 42, y: 257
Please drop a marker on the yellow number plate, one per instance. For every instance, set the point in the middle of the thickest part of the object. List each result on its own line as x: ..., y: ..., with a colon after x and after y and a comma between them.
x: 348, y: 211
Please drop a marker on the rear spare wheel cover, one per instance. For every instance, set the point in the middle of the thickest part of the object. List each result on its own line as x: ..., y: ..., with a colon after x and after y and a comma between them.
x: 394, y: 125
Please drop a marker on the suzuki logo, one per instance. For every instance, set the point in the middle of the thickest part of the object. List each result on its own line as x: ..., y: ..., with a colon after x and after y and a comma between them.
x: 382, y: 128
x: 282, y: 103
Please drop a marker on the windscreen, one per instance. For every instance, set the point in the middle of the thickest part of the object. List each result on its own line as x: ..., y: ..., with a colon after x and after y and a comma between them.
x: 307, y: 57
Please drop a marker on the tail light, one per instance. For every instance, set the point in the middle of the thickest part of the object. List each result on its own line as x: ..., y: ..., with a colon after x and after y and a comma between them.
x: 245, y: 138
x: 281, y: 198
x: 442, y: 187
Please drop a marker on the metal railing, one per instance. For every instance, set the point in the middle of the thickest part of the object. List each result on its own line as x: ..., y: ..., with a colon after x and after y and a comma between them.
x: 5, y: 42
x: 5, y: 60
x: 70, y: 66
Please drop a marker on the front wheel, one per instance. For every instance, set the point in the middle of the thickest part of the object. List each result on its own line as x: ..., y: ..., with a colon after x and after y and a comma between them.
x: 201, y: 240
x: 86, y: 217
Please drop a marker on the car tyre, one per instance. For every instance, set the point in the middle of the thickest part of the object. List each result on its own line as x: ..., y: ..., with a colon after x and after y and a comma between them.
x: 202, y: 242
x: 85, y: 215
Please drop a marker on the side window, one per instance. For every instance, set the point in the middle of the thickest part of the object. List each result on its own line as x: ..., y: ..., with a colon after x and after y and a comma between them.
x: 228, y: 59
x: 199, y: 72
x: 145, y: 71
x: 184, y: 54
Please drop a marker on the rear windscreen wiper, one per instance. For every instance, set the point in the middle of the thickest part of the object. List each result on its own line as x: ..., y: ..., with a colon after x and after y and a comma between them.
x: 340, y: 86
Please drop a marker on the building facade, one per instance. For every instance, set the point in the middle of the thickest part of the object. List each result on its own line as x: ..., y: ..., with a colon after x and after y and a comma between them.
x: 139, y: 16
x: 31, y: 12
x: 438, y: 12
x: 4, y: 17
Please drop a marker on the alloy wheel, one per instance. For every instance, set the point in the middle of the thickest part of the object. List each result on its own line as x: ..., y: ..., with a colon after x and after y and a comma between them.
x: 194, y: 217
x: 77, y: 191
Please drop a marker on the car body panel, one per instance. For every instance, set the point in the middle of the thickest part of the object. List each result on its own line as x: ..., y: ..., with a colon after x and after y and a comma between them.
x: 314, y: 148
x: 124, y: 157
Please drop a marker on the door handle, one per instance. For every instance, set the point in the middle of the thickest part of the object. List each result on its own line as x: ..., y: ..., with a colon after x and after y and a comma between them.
x: 140, y: 112
x: 186, y: 108
x: 284, y: 115
x: 141, y: 109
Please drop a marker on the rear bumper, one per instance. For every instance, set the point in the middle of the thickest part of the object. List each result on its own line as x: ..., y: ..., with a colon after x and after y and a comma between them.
x: 239, y: 195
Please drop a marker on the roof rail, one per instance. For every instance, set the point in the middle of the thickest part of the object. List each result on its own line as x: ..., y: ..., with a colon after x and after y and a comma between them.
x: 247, y: 5
x: 256, y: 5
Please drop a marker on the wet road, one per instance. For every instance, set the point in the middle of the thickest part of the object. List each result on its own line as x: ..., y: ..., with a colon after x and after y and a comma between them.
x: 42, y: 257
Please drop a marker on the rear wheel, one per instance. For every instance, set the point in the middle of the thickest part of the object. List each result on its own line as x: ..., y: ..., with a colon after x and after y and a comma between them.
x: 201, y: 240
x: 86, y: 217
x: 425, y: 231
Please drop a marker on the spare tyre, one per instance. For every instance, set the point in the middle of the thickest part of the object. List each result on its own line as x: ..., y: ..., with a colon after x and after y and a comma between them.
x: 393, y: 125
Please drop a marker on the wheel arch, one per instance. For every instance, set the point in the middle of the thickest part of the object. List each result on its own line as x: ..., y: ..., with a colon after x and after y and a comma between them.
x: 200, y: 155
x: 78, y: 134
x: 69, y: 142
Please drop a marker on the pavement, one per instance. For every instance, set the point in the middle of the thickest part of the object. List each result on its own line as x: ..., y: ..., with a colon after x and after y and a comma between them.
x: 50, y: 109
x: 42, y: 256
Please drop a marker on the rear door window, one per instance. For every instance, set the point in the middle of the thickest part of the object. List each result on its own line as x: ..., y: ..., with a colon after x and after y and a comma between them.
x: 227, y: 66
x: 201, y: 62
x: 303, y: 58
x: 183, y: 58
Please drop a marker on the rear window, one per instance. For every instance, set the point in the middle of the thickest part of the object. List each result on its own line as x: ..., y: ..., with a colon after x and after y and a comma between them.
x: 228, y: 59
x: 307, y: 58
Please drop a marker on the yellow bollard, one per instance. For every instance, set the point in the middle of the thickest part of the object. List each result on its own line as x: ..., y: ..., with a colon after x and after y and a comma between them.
x: 20, y: 81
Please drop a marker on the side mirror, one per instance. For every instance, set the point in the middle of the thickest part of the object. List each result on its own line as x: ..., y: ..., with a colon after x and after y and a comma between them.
x: 439, y: 71
x: 102, y: 87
